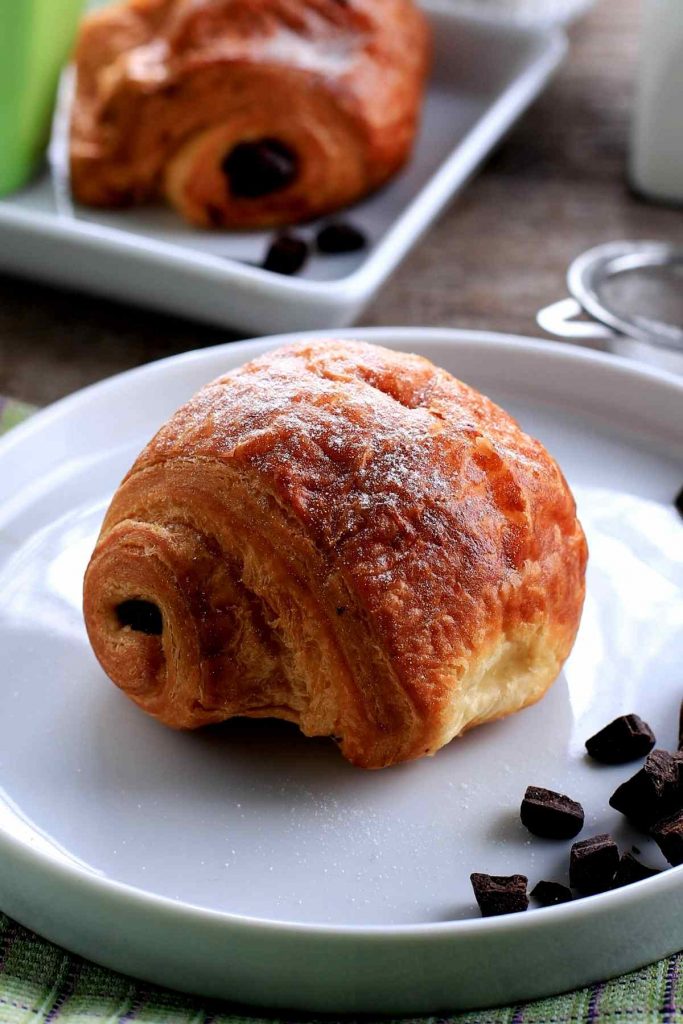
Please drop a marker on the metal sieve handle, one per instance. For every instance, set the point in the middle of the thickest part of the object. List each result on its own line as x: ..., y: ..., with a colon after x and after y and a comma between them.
x: 560, y: 319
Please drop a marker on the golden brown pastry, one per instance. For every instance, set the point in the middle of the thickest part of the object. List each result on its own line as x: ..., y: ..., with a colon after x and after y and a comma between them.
x: 245, y: 113
x: 345, y: 537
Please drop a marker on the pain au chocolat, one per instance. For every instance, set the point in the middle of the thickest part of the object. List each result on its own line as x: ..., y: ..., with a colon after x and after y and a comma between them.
x: 345, y: 537
x: 245, y: 113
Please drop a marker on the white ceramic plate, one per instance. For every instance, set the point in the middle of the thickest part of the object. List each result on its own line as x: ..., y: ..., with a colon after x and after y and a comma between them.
x: 484, y: 76
x: 527, y: 12
x: 248, y: 862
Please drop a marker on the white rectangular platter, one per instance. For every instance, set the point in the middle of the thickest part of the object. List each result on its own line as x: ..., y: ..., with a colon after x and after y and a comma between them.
x: 484, y: 76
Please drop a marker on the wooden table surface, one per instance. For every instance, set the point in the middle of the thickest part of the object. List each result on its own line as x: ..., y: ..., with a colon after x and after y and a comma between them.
x: 500, y: 252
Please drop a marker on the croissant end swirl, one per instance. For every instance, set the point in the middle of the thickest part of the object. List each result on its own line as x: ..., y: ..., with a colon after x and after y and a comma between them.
x: 345, y: 537
x: 245, y: 113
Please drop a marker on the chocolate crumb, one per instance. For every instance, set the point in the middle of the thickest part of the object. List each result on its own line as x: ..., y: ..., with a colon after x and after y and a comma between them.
x: 593, y: 863
x: 500, y: 894
x: 341, y: 610
x: 286, y: 255
x: 625, y: 739
x: 653, y: 792
x: 668, y: 835
x: 551, y: 815
x: 215, y: 215
x: 631, y: 870
x: 340, y: 237
x: 550, y: 894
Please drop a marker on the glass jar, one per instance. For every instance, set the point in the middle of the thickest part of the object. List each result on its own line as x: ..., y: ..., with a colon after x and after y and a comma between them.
x: 657, y: 140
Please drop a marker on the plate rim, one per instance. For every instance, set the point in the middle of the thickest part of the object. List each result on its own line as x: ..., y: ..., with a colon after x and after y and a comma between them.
x: 70, y: 873
x: 562, y: 351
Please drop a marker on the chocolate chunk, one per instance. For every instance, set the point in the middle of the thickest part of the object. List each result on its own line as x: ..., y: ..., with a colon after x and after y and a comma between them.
x: 550, y: 814
x: 668, y: 835
x: 286, y: 255
x: 500, y: 894
x: 631, y: 870
x: 340, y: 237
x: 549, y: 894
x: 678, y: 501
x: 653, y: 792
x: 593, y: 863
x: 680, y: 727
x: 258, y: 168
x: 140, y: 616
x: 625, y: 739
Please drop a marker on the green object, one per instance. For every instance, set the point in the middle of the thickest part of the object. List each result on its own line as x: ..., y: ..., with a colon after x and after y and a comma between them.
x: 42, y: 984
x: 12, y: 413
x: 35, y: 40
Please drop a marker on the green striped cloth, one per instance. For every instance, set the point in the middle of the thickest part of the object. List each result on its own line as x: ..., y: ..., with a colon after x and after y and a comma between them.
x: 41, y: 983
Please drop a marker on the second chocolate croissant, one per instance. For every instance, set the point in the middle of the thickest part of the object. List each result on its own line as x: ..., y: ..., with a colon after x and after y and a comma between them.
x: 344, y: 537
x: 245, y: 113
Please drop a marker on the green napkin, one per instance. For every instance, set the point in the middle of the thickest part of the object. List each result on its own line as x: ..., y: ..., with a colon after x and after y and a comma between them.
x: 42, y: 984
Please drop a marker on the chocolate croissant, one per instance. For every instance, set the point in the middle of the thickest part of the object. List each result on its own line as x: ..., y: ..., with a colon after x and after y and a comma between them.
x: 245, y: 113
x: 345, y: 537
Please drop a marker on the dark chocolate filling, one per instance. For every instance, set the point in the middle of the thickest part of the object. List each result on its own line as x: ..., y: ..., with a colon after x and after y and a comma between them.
x: 257, y: 168
x: 141, y: 616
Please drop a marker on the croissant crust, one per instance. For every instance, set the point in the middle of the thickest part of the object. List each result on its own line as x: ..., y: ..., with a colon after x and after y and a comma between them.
x: 345, y: 537
x: 245, y: 113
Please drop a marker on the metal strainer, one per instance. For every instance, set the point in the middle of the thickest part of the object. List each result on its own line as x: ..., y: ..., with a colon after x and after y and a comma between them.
x: 633, y: 294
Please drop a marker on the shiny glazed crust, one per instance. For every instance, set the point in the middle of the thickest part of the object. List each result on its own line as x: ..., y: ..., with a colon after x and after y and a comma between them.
x: 345, y: 537
x: 167, y: 88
